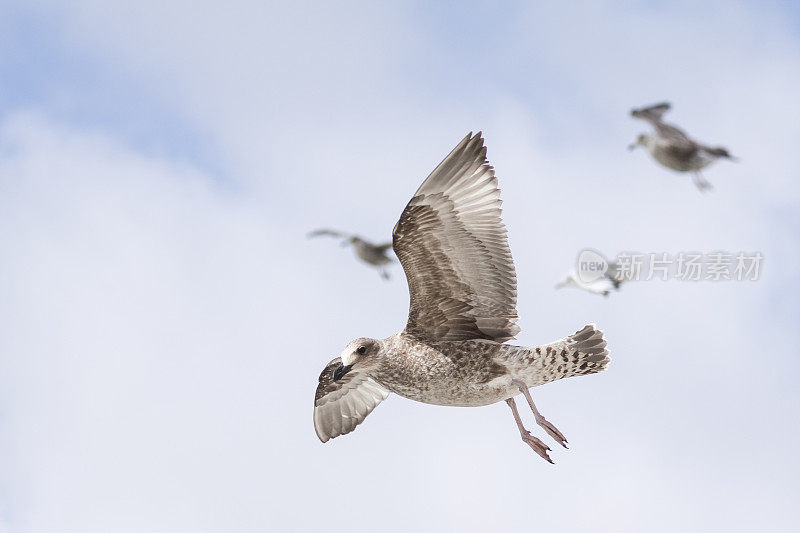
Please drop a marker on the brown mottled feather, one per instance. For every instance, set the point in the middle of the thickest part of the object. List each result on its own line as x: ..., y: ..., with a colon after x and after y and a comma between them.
x: 339, y: 406
x: 452, y: 244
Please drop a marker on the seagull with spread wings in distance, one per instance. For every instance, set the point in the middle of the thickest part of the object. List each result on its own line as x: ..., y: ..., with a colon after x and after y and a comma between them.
x: 673, y: 148
x: 372, y: 254
x: 605, y: 284
x: 452, y: 244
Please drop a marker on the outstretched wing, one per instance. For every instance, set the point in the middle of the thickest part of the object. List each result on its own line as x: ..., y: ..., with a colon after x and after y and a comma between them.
x: 675, y: 137
x: 339, y: 406
x: 653, y: 112
x: 452, y: 244
x: 328, y: 232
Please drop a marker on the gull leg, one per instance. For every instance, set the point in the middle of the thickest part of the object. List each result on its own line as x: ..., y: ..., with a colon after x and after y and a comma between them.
x: 384, y: 273
x: 542, y: 421
x: 538, y: 446
x: 701, y: 182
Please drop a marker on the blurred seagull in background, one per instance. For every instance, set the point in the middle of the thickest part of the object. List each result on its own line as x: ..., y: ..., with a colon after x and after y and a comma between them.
x: 452, y: 244
x: 673, y: 148
x: 372, y: 254
x: 605, y: 284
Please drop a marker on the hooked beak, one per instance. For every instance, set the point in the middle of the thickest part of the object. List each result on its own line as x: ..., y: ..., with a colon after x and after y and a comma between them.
x: 340, y: 371
x: 631, y: 147
x: 561, y: 284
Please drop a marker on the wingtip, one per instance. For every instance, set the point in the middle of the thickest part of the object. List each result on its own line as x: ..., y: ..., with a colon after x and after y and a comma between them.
x: 321, y: 435
x: 639, y: 112
x: 463, y: 144
x: 478, y: 143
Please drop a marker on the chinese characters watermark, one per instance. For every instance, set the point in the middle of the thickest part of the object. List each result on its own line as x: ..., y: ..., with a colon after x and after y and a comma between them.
x: 681, y: 266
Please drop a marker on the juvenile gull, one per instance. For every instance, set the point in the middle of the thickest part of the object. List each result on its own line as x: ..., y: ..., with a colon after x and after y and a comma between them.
x: 673, y: 148
x: 372, y: 254
x: 453, y: 247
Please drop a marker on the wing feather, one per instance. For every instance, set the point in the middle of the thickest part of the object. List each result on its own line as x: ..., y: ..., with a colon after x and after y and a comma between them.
x: 652, y: 112
x: 340, y: 406
x: 453, y: 246
x: 674, y: 136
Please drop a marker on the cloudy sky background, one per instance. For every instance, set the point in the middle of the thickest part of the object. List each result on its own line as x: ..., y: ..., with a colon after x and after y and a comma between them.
x: 163, y: 320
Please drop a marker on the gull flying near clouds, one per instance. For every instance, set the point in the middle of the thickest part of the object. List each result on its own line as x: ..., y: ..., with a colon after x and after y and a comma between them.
x: 372, y: 254
x: 452, y: 244
x: 673, y: 148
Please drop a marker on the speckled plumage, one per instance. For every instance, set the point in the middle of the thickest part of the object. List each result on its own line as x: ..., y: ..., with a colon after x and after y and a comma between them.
x: 452, y: 244
x: 481, y: 372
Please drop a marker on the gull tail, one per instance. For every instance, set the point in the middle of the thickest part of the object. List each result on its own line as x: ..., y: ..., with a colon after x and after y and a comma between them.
x: 722, y: 152
x: 586, y: 352
x: 583, y: 352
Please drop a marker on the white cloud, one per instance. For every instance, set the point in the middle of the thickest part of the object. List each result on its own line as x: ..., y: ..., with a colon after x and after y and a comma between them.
x: 122, y: 346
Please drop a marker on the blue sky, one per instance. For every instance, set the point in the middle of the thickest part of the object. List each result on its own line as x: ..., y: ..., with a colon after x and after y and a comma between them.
x: 163, y: 319
x: 75, y: 87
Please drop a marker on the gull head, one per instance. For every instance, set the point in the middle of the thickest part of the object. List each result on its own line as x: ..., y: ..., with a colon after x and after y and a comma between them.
x: 641, y: 140
x: 360, y: 355
x: 354, y: 240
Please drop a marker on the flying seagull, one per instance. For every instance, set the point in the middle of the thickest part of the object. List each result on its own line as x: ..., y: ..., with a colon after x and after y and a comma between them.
x: 453, y: 247
x: 372, y: 254
x: 605, y: 284
x: 673, y: 148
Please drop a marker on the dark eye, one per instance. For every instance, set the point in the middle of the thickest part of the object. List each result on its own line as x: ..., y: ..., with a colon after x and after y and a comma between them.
x: 361, y: 350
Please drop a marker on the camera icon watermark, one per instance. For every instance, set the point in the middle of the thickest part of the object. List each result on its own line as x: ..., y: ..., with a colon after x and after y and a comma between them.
x: 591, y: 265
